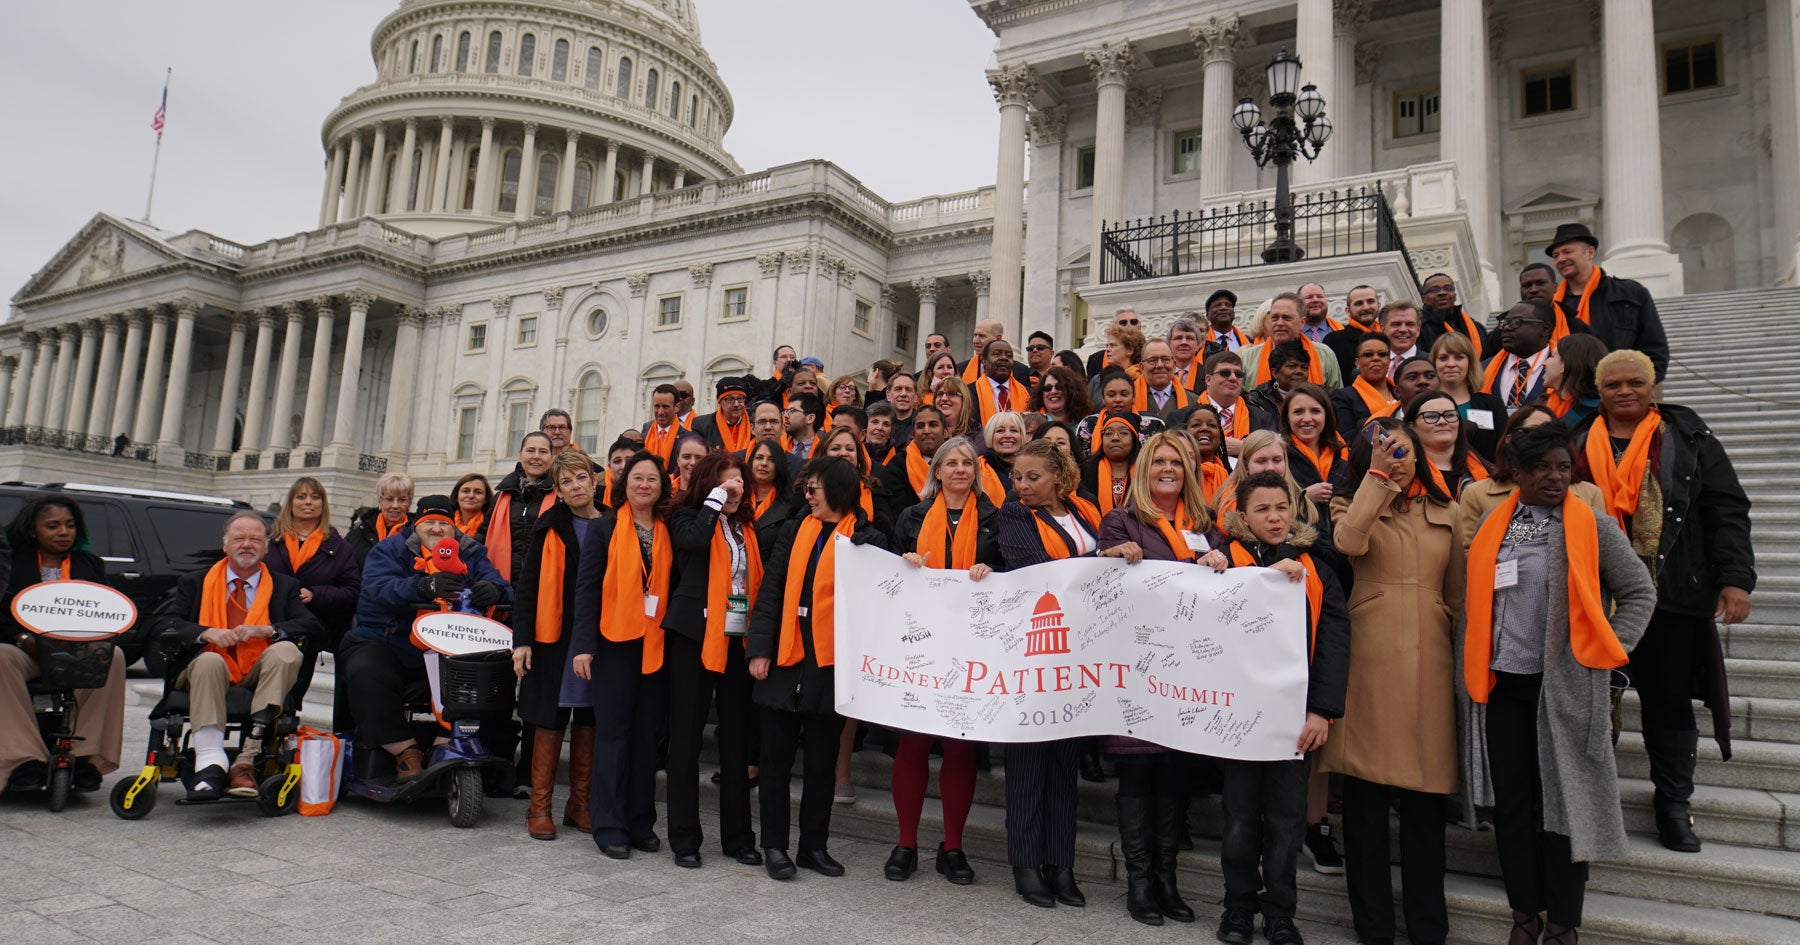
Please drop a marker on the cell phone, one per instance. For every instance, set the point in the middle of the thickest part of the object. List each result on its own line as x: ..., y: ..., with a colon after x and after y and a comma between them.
x: 1371, y: 430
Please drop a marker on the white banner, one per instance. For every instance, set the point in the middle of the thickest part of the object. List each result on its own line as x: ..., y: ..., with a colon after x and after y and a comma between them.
x: 1174, y: 654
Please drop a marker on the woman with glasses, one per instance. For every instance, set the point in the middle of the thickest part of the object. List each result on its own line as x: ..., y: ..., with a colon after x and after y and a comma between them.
x: 951, y: 398
x: 1483, y: 415
x: 1451, y: 463
x: 1061, y: 396
x: 1370, y: 393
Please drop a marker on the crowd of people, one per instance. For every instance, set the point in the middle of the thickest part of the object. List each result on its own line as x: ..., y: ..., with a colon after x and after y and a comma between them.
x: 1496, y: 531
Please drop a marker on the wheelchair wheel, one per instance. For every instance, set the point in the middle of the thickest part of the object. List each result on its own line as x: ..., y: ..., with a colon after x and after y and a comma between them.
x: 136, y: 808
x: 466, y: 797
x: 60, y: 781
x: 269, y: 797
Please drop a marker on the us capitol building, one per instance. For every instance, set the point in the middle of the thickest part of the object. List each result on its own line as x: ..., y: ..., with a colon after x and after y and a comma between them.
x: 531, y: 206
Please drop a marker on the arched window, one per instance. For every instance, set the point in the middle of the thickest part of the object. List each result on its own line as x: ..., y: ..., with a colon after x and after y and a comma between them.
x: 549, y: 163
x: 509, y: 182
x: 694, y: 111
x: 462, y: 52
x: 437, y: 53
x: 650, y: 89
x: 584, y: 185
x: 468, y: 194
x: 418, y: 166
x: 559, y: 61
x: 619, y: 183
x: 493, y: 52
x: 675, y: 100
x: 527, y: 53
x: 591, y: 77
x: 412, y: 58
x: 590, y: 401
x: 624, y: 90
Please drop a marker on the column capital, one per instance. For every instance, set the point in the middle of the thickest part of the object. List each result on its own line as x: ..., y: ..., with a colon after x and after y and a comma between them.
x: 411, y: 317
x: 1013, y: 85
x: 90, y: 327
x: 701, y: 273
x: 612, y: 147
x: 553, y: 297
x: 447, y: 119
x: 187, y: 308
x: 487, y: 123
x: 847, y: 273
x: 531, y: 128
x: 9, y: 363
x: 981, y: 279
x: 1220, y: 38
x: 1348, y: 16
x: 360, y: 298
x: 451, y: 314
x: 799, y: 260
x: 1049, y: 125
x: 1368, y: 60
x: 927, y: 289
x: 295, y: 310
x: 112, y: 321
x: 887, y: 296
x: 770, y: 263
x: 571, y: 137
x: 412, y: 125
x: 1143, y: 105
x: 1111, y: 63
x: 502, y: 305
x: 29, y: 340
x: 1496, y: 35
x: 263, y: 316
x: 324, y: 305
x: 638, y: 283
x: 240, y: 321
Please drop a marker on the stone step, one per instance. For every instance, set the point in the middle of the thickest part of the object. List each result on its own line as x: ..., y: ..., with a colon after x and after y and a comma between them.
x: 1761, y: 641
x: 1778, y: 679
x: 1757, y: 718
x: 1758, y: 765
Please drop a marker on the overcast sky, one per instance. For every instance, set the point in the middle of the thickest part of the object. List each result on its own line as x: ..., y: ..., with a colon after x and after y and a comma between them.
x: 891, y: 91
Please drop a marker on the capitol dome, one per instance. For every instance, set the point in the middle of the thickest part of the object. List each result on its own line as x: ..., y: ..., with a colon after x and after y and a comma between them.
x: 505, y: 110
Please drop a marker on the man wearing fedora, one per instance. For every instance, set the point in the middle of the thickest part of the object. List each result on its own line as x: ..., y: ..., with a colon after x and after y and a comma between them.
x: 1618, y: 311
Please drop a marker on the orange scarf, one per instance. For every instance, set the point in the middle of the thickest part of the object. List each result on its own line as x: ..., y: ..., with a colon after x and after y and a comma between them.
x: 761, y: 506
x: 1621, y: 482
x: 1381, y: 403
x: 1315, y: 589
x: 300, y: 552
x: 1018, y: 396
x: 1558, y: 402
x: 1591, y: 637
x: 1476, y: 469
x: 686, y: 420
x: 1212, y: 476
x: 214, y: 594
x: 1240, y: 417
x: 63, y: 569
x: 1141, y: 401
x: 991, y: 486
x: 547, y: 628
x: 714, y: 646
x: 1315, y: 370
x: 733, y: 438
x: 1104, y: 483
x: 1213, y: 336
x: 1561, y: 330
x: 1474, y: 332
x: 918, y: 468
x: 1497, y: 367
x: 383, y: 529
x: 790, y: 649
x: 499, y: 536
x: 662, y: 442
x: 935, y: 533
x: 866, y: 499
x: 1321, y: 460
x: 1057, y: 546
x: 470, y: 526
x: 1172, y: 533
x: 625, y: 587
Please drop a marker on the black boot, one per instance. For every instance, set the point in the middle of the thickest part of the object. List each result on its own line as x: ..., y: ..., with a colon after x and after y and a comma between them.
x: 1171, y: 814
x: 1029, y: 882
x: 1090, y: 761
x: 1672, y: 771
x: 1134, y: 847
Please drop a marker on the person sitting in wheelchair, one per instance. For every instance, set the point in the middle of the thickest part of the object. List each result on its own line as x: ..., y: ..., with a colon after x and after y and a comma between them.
x: 402, y: 579
x: 47, y: 541
x: 242, y: 623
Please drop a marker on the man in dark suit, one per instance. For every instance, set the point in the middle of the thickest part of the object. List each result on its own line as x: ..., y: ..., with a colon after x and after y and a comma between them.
x: 1618, y: 311
x: 241, y: 623
x: 727, y: 428
x: 998, y: 388
x: 1516, y: 374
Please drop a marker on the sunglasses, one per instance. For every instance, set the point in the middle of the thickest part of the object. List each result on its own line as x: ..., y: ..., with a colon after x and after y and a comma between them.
x: 1037, y: 347
x: 1226, y: 372
x: 1050, y: 388
x: 809, y: 490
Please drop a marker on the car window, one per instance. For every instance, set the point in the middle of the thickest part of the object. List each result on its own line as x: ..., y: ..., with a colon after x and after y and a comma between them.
x: 109, y: 536
x: 191, y: 538
x: 10, y: 506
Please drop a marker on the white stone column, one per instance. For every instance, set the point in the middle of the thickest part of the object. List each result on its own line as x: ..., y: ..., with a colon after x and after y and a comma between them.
x: 400, y: 194
x: 37, y: 403
x: 1313, y: 45
x: 281, y: 418
x: 440, y: 177
x: 352, y: 181
x: 680, y: 178
x: 1784, y: 130
x: 491, y: 434
x: 484, y: 170
x: 58, y: 416
x: 1464, y: 136
x: 527, y: 202
x: 1111, y: 64
x: 334, y: 181
x: 375, y: 193
x: 343, y: 432
x: 149, y: 400
x: 928, y: 290
x: 458, y: 184
x: 647, y: 176
x: 312, y: 424
x: 228, y: 389
x: 1631, y: 150
x: 401, y: 396
x: 565, y: 183
x: 256, y: 405
x: 82, y: 391
x: 9, y: 366
x: 124, y: 407
x: 1348, y: 19
x: 21, y: 382
x: 983, y: 283
x: 169, y: 446
x: 1013, y: 88
x: 610, y: 185
x: 1217, y: 42
x: 106, y: 380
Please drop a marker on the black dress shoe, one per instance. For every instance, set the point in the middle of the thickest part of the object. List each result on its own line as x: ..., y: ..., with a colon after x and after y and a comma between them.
x: 688, y: 861
x: 955, y: 866
x: 1237, y: 927
x: 1280, y: 930
x: 87, y: 777
x: 208, y: 784
x: 616, y: 851
x: 1031, y: 887
x: 820, y: 862
x: 901, y: 863
x: 748, y: 857
x: 29, y: 776
x: 778, y: 864
x: 649, y: 844
x: 1061, y: 880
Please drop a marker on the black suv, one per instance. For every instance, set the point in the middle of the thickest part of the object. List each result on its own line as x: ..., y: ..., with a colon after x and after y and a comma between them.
x: 148, y: 539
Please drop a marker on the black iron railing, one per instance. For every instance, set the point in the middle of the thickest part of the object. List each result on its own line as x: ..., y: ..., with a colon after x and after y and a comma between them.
x: 73, y: 441
x: 1327, y: 224
x: 374, y: 464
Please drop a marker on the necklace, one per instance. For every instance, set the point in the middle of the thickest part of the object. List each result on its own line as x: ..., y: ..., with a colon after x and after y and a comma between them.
x: 1524, y: 531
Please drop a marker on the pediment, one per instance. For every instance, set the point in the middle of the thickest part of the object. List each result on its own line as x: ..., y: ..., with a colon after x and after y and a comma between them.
x: 106, y: 249
x: 1553, y: 197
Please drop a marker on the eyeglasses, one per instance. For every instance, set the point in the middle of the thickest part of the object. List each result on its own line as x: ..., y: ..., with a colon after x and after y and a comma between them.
x: 731, y: 399
x: 1515, y: 321
x: 1228, y: 373
x: 1037, y: 347
x: 1439, y: 417
x: 809, y: 489
x: 1049, y: 388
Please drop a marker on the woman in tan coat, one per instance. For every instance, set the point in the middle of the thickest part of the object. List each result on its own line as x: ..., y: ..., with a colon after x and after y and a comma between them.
x: 1396, y: 744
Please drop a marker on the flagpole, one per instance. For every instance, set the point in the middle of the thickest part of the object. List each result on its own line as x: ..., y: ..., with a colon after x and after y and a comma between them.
x: 156, y: 158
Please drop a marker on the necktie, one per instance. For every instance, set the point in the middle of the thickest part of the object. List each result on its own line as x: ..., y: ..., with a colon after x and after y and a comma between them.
x: 1393, y: 365
x: 1522, y: 371
x: 236, y: 609
x: 1000, y: 401
x: 1162, y: 397
x: 1225, y: 419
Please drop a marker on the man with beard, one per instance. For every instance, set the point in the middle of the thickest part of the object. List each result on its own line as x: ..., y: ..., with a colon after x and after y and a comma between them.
x: 1316, y: 309
x: 1442, y: 313
x: 1363, y: 307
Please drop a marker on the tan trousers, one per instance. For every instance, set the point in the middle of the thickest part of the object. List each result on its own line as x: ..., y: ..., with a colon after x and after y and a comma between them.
x: 99, y: 715
x: 206, y: 680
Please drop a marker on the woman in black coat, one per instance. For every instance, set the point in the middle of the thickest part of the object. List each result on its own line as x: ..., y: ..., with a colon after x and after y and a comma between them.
x: 719, y: 562
x: 772, y: 498
x: 304, y: 546
x: 793, y: 672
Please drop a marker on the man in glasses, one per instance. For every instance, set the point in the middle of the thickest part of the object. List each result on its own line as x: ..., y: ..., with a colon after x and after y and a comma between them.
x: 728, y: 428
x: 556, y: 425
x: 1040, y: 353
x: 1223, y: 388
x: 684, y: 404
x: 1516, y: 374
x: 1126, y: 318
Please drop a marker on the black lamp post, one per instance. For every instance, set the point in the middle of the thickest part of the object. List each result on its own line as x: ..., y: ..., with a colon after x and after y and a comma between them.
x: 1282, y: 140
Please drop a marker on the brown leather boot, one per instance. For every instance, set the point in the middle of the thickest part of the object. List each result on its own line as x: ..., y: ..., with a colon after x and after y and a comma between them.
x: 546, y: 751
x: 581, y: 771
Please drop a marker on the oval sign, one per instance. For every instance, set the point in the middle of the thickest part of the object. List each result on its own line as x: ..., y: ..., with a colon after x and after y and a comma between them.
x: 74, y: 610
x: 454, y: 634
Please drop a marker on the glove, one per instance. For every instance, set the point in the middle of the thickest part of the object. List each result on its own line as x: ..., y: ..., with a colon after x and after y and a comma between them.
x: 440, y: 585
x: 862, y: 536
x: 484, y: 594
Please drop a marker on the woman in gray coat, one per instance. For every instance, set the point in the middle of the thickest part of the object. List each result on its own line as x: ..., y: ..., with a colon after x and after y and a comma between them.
x: 1539, y: 650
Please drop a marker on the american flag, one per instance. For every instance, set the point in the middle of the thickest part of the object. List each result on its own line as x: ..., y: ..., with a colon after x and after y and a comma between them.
x: 156, y: 121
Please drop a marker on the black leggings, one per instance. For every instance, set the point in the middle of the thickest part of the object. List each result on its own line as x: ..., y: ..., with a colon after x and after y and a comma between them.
x: 1662, y: 670
x: 1537, y: 866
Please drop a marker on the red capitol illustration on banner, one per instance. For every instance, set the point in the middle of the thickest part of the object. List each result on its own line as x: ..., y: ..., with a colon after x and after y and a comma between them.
x: 1047, y: 636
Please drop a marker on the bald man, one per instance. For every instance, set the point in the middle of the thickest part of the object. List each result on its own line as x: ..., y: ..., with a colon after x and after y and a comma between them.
x: 986, y: 332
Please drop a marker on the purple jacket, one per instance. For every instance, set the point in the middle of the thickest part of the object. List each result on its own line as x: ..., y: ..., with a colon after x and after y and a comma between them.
x: 333, y: 576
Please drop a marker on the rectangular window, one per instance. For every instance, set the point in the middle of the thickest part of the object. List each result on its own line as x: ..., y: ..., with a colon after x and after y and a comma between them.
x: 527, y: 331
x: 189, y: 536
x: 1416, y: 112
x: 737, y: 303
x: 518, y: 422
x: 668, y: 311
x: 1084, y: 168
x: 1691, y: 65
x: 477, y: 338
x: 903, y: 337
x: 465, y: 432
x: 859, y: 318
x: 1548, y: 89
x: 1187, y: 152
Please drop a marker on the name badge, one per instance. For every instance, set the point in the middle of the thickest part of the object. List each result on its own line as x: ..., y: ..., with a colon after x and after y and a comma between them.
x: 1506, y: 574
x: 1482, y: 418
x: 800, y: 611
x: 737, y: 615
x: 1196, y: 542
x: 650, y: 604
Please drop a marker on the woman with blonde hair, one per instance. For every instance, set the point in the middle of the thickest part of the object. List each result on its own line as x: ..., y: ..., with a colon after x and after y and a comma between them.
x: 392, y: 513
x: 1004, y: 433
x: 304, y: 546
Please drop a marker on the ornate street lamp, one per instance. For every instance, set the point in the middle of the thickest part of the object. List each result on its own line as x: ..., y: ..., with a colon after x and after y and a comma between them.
x: 1282, y: 139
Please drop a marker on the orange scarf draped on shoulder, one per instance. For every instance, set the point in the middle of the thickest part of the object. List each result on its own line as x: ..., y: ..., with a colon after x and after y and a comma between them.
x: 626, y: 586
x: 662, y: 442
x: 918, y: 468
x: 62, y: 569
x: 383, y: 529
x: 499, y: 535
x: 1315, y: 371
x: 1621, y: 482
x: 1212, y: 476
x: 215, y: 593
x: 1141, y: 399
x: 935, y: 534
x: 1018, y: 396
x: 552, y: 572
x: 1473, y: 331
x: 1561, y: 329
x: 1104, y: 481
x: 715, y: 646
x: 1057, y: 546
x: 300, y: 552
x: 1315, y: 589
x: 1172, y: 533
x: 1476, y: 469
x: 991, y: 486
x: 470, y: 525
x: 790, y: 649
x: 1321, y: 460
x: 1381, y: 403
x: 733, y: 438
x: 1591, y: 636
